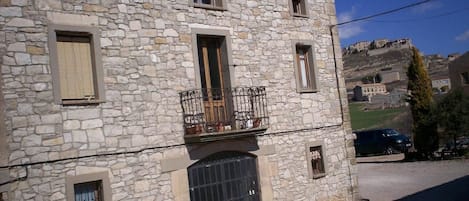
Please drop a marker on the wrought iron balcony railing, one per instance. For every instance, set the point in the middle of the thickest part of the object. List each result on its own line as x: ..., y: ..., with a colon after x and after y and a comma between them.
x: 224, y: 111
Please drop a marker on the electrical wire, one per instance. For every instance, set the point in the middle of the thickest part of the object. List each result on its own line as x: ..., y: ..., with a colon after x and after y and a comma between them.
x: 382, y: 13
x: 160, y: 147
x: 423, y: 18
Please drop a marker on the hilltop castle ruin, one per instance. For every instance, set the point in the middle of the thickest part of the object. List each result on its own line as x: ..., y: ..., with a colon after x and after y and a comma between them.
x: 378, y: 46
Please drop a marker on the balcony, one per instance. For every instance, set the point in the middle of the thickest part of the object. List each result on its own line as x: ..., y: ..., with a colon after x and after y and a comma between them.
x: 216, y: 114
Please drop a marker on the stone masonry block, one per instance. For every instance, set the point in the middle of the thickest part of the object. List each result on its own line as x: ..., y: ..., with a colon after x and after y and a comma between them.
x: 92, y: 123
x: 20, y: 22
x: 83, y: 114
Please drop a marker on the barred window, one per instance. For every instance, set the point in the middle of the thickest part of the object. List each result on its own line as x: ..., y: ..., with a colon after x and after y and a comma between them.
x: 317, y: 161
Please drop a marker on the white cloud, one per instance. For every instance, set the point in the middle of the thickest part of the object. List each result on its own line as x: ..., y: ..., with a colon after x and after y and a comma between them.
x: 349, y: 30
x: 463, y: 36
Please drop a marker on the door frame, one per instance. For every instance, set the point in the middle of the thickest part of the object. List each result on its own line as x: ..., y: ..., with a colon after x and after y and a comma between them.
x: 226, y: 52
x: 225, y: 60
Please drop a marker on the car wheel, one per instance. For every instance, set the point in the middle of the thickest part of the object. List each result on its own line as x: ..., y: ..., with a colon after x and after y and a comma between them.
x: 389, y: 150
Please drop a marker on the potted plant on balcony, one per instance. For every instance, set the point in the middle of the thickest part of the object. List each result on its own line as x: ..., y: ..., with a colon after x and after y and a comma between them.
x: 220, y: 127
x: 257, y: 122
x: 194, y: 129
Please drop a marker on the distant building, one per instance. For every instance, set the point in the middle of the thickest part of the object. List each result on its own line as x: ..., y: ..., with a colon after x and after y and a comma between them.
x: 452, y: 57
x: 441, y: 84
x: 379, y: 43
x: 365, y: 91
x: 358, y: 47
x: 387, y: 77
x: 459, y: 72
x: 393, y: 99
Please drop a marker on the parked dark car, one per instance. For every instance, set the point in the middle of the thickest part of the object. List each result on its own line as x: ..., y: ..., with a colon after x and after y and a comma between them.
x: 381, y: 141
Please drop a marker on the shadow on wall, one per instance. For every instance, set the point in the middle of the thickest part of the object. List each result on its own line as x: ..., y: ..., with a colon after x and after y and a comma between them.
x: 455, y: 190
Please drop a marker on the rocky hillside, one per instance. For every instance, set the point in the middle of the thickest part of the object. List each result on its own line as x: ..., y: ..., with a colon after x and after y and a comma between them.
x: 359, y: 65
x: 391, y: 62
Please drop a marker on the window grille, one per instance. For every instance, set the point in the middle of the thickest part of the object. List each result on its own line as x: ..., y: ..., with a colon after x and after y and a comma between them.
x: 317, y: 161
x: 224, y: 176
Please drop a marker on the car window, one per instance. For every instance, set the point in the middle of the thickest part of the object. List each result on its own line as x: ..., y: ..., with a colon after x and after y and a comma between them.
x: 391, y: 132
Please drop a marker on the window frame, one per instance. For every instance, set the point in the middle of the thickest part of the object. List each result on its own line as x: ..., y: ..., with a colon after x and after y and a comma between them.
x: 311, y: 64
x: 103, y: 177
x: 463, y: 76
x: 226, y: 50
x: 309, y: 158
x: 96, y: 61
x: 292, y: 10
x: 210, y: 6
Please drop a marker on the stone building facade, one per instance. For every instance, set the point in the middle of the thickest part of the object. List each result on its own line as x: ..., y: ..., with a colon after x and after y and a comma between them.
x: 93, y: 101
x: 366, y: 91
x: 459, y: 73
x: 441, y: 84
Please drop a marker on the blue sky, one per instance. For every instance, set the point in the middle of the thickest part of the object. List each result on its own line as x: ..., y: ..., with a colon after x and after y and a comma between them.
x: 436, y: 27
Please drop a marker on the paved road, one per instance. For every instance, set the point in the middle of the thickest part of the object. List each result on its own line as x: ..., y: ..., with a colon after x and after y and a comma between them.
x: 414, y: 181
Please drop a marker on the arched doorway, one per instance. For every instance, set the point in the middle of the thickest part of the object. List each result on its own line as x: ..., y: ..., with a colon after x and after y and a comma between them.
x: 224, y: 176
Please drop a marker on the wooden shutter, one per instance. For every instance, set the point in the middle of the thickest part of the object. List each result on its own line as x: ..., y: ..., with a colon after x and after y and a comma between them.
x: 218, y: 3
x: 75, y: 67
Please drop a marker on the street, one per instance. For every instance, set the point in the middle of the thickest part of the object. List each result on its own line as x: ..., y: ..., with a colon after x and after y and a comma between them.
x: 410, y: 181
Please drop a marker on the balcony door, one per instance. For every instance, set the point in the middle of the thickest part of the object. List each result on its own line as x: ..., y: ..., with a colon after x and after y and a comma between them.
x: 214, y: 78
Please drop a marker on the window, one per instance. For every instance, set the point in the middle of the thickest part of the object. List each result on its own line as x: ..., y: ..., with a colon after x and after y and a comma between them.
x: 304, y: 68
x: 298, y: 8
x: 210, y: 4
x: 88, y: 187
x: 3, y: 196
x: 317, y: 164
x: 76, y: 64
x: 465, y: 78
x: 89, y: 191
x: 224, y: 176
x: 316, y: 160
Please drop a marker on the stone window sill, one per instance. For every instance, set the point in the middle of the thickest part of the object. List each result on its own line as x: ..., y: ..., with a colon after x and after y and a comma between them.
x: 81, y: 102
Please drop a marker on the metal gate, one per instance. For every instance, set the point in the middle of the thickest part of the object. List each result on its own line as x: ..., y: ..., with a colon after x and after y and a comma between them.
x: 224, y: 176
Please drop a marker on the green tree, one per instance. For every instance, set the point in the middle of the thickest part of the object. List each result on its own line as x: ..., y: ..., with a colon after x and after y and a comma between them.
x: 452, y: 114
x: 420, y: 99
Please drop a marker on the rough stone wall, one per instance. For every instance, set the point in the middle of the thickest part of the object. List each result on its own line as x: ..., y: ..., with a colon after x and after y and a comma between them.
x: 147, y: 59
x: 293, y: 182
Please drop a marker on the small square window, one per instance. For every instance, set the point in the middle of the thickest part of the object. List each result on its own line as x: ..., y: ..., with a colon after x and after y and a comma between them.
x: 305, y: 68
x: 89, y: 191
x: 210, y: 4
x: 317, y: 161
x: 465, y: 78
x: 298, y: 8
x: 88, y: 187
